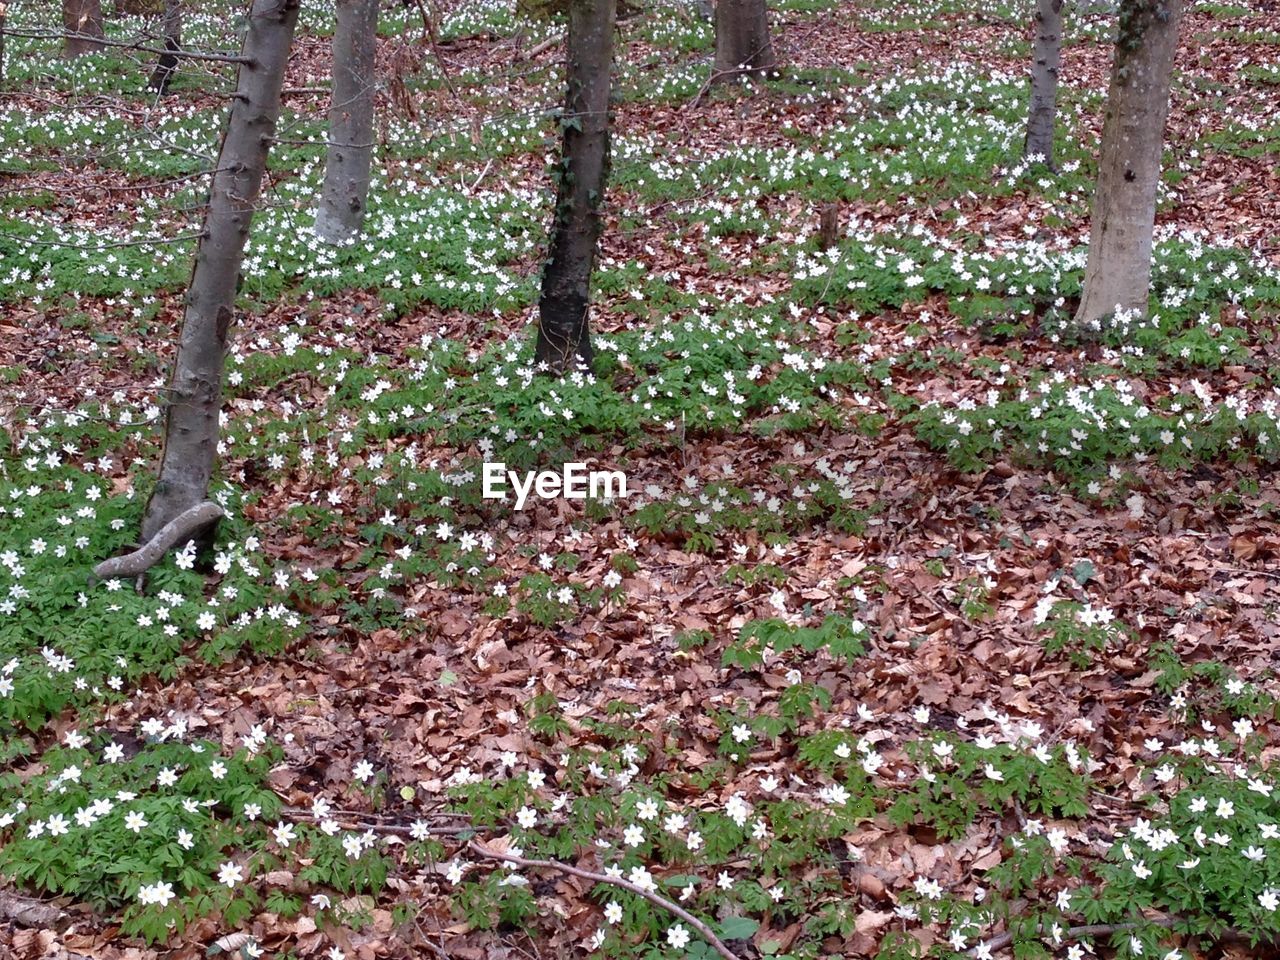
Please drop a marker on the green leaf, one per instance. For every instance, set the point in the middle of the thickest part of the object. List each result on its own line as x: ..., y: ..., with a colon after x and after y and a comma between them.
x: 1083, y: 572
x: 738, y: 928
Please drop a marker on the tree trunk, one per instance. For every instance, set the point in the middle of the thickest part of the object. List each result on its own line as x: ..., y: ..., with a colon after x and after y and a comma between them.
x: 584, y: 169
x: 1046, y: 54
x: 168, y: 62
x: 743, y: 44
x: 346, y: 176
x: 82, y: 24
x: 1118, y: 275
x: 194, y: 399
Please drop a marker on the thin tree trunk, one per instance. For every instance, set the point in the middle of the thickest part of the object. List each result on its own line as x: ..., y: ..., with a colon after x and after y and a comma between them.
x: 195, y: 392
x: 1046, y: 55
x: 82, y: 24
x: 1118, y: 275
x: 743, y: 44
x: 168, y: 62
x: 584, y: 170
x: 345, y: 193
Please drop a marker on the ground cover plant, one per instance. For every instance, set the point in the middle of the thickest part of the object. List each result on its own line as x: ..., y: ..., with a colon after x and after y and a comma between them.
x: 933, y: 622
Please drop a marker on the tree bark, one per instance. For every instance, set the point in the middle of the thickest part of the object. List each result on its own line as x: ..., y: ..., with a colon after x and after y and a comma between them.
x: 584, y: 170
x: 1046, y: 55
x: 82, y: 24
x: 168, y: 62
x: 1118, y: 275
x: 345, y: 193
x: 743, y: 44
x: 194, y: 399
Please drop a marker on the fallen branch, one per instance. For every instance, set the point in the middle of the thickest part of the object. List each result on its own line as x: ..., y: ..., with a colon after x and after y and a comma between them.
x: 347, y: 822
x: 149, y: 554
x: 538, y: 48
x: 28, y: 912
x: 716, y: 76
x: 482, y: 174
x: 656, y: 899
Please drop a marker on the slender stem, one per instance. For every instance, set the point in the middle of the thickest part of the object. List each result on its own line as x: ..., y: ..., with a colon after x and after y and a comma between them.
x: 656, y: 899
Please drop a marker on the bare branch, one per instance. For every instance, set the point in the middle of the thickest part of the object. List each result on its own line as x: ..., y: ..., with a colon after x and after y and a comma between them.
x: 126, y: 45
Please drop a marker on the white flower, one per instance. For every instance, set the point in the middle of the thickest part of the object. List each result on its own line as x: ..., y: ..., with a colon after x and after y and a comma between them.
x: 135, y: 821
x: 835, y: 795
x: 352, y: 846
x: 613, y: 912
x: 284, y: 834
x: 678, y: 937
x: 633, y: 836
x: 230, y: 874
x: 363, y: 771
x: 928, y: 888
x: 642, y: 878
x: 160, y: 894
x: 527, y: 817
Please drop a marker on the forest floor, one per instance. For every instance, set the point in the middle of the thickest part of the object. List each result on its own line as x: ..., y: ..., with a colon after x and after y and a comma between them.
x: 918, y: 614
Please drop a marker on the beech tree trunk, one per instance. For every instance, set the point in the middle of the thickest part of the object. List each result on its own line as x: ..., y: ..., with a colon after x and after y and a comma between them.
x: 346, y: 175
x: 1046, y: 55
x: 168, y: 62
x: 194, y: 399
x: 1118, y: 275
x: 584, y: 170
x: 82, y: 24
x: 743, y: 44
